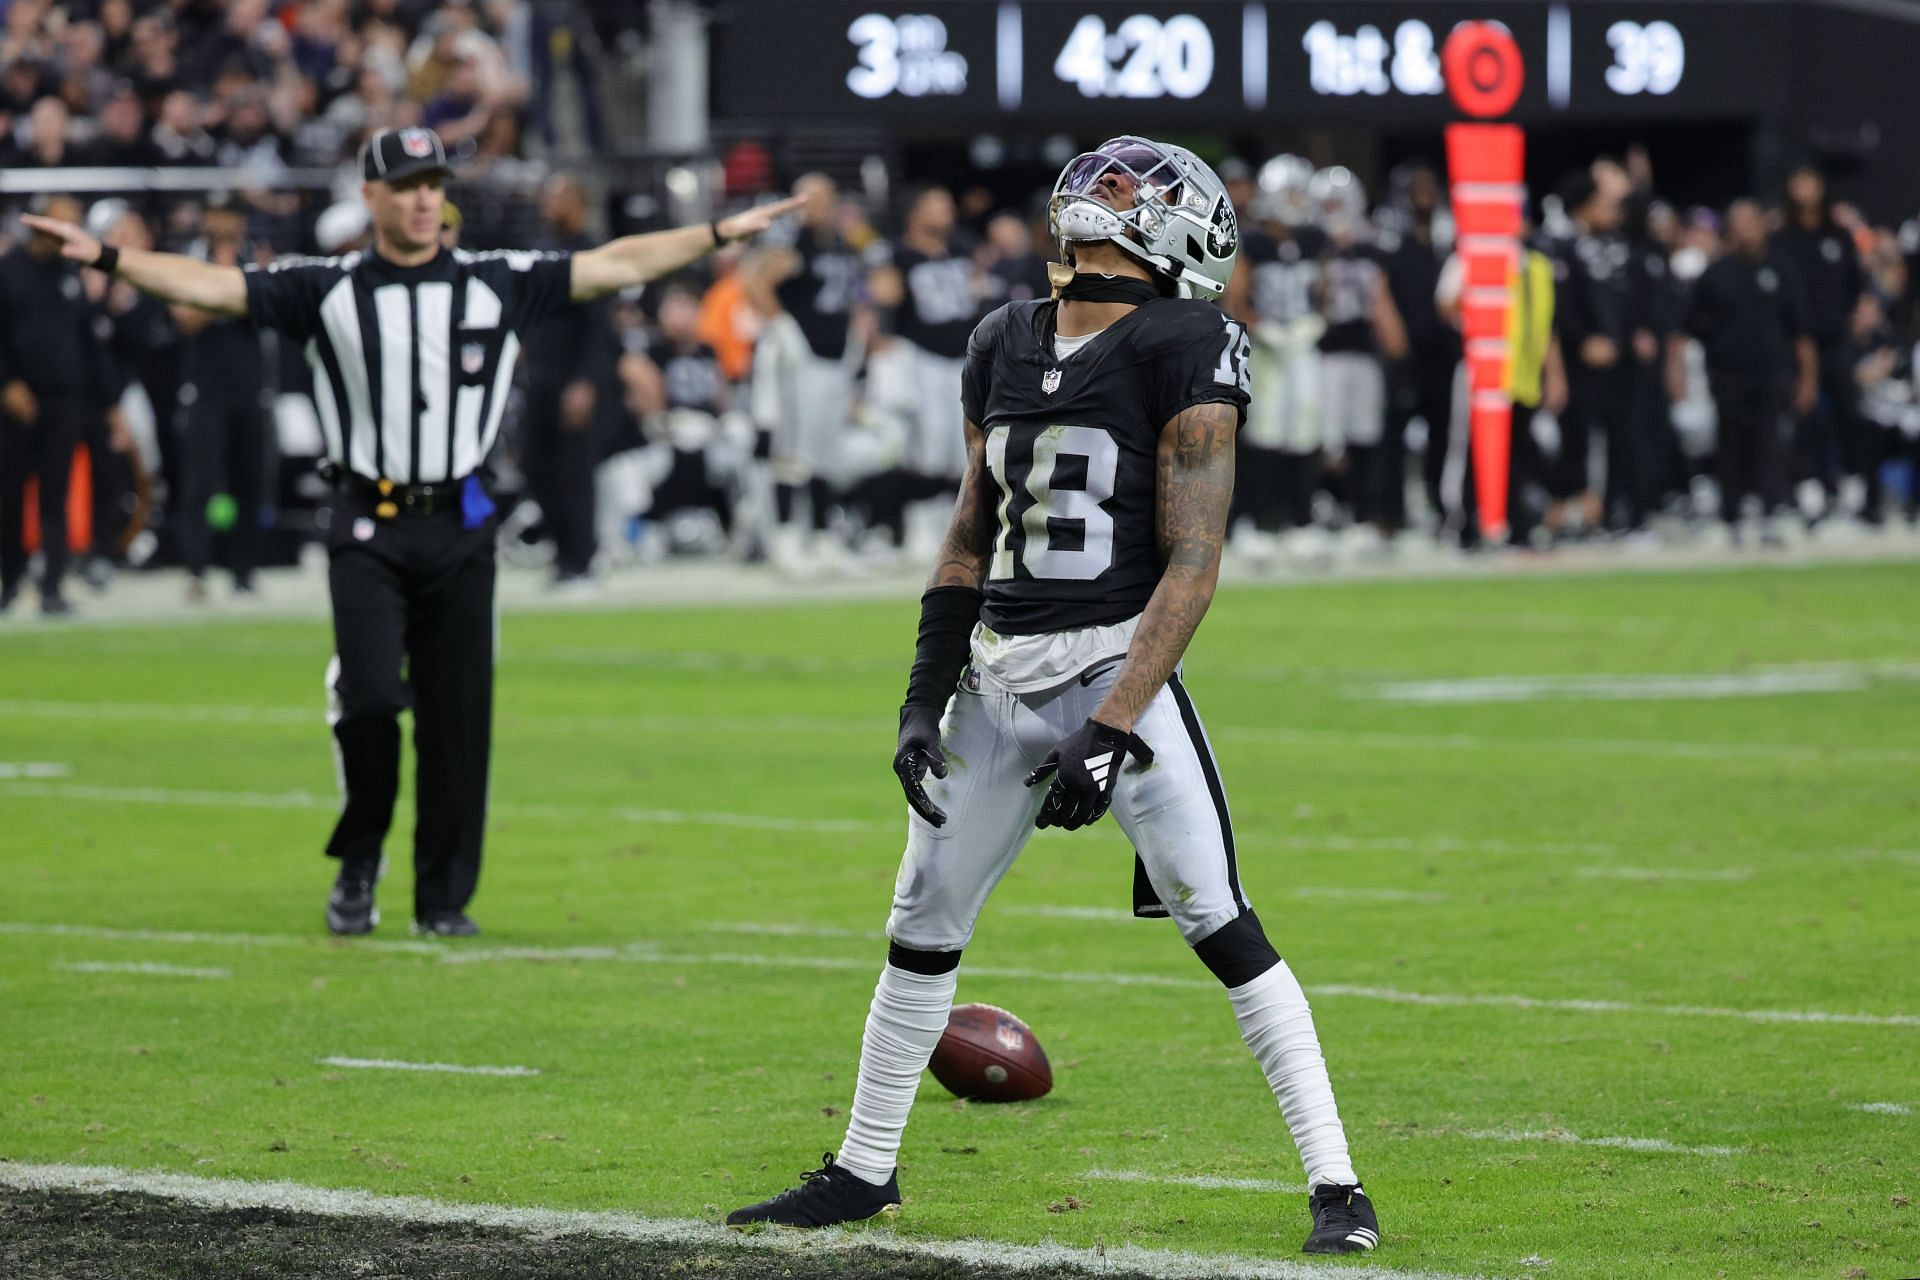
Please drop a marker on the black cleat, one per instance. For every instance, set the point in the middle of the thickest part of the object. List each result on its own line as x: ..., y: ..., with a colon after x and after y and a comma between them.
x: 350, y: 908
x: 1343, y: 1221
x: 826, y: 1197
x: 445, y: 924
x: 55, y: 606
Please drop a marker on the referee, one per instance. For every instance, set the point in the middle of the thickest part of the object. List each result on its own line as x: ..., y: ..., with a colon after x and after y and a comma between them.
x: 412, y: 347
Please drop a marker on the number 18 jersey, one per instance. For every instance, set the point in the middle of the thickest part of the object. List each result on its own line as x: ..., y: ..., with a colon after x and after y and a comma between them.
x: 1072, y: 447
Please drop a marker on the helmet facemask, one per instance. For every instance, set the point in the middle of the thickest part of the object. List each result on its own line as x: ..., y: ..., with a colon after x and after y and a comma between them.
x: 1176, y: 201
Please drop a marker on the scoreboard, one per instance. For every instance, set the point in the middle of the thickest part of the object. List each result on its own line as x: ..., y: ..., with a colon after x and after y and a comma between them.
x: 1231, y: 64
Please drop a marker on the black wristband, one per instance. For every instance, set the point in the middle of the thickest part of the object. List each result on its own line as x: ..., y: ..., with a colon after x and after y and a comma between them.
x: 947, y: 617
x: 719, y: 241
x: 109, y: 259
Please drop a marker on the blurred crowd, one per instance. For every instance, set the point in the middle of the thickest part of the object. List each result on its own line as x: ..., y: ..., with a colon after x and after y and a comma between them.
x: 1744, y: 373
x: 1747, y: 370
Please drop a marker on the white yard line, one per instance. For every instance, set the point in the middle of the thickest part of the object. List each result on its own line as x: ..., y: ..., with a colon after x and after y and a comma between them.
x: 1561, y: 1135
x: 295, y: 799
x: 647, y: 953
x: 791, y: 1247
x: 448, y: 1068
x: 1884, y: 1108
x: 156, y: 970
x: 1368, y: 895
x: 1118, y: 915
x: 774, y: 929
x: 1202, y: 1181
x: 1659, y: 749
x: 1302, y: 842
x: 1619, y: 688
x: 1730, y: 874
x: 1649, y: 748
x: 11, y: 769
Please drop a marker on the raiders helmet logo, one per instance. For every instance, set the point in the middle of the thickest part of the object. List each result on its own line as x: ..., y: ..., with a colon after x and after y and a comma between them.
x: 473, y: 356
x: 1223, y: 233
x: 417, y: 143
x: 1050, y: 381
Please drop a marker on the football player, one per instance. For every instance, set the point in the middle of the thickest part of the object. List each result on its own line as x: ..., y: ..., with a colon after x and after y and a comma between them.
x: 927, y: 282
x: 803, y: 369
x: 1082, y: 554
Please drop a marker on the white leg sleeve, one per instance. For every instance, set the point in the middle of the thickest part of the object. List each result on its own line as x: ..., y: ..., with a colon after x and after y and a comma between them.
x: 1278, y: 1026
x: 908, y: 1015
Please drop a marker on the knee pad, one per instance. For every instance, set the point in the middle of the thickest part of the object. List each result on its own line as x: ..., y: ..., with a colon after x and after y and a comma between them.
x: 926, y: 963
x: 1238, y: 951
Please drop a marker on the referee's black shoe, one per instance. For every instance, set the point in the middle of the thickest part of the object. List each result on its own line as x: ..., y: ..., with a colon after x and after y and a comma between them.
x: 826, y: 1197
x: 445, y: 924
x: 350, y: 907
x: 1343, y: 1221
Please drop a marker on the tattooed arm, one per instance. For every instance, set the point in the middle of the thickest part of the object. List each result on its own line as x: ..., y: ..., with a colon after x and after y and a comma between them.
x: 1195, y: 486
x: 969, y: 540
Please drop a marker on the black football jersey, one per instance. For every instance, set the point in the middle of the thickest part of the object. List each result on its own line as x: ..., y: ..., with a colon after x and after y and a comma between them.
x: 820, y: 294
x: 691, y: 374
x: 1350, y: 278
x: 1072, y: 447
x: 937, y: 310
x: 1286, y: 273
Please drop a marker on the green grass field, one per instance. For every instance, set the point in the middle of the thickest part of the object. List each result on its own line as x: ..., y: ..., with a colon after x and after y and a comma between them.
x: 694, y: 839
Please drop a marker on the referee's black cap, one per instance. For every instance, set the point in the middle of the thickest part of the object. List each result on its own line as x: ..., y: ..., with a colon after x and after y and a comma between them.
x: 393, y: 155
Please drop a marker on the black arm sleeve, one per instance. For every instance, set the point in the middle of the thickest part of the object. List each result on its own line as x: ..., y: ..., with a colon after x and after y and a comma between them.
x: 947, y: 617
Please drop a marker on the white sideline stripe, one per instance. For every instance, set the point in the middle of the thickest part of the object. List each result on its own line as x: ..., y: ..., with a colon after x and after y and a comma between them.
x: 157, y: 970
x: 1202, y: 1181
x: 1625, y: 1144
x: 1664, y: 873
x: 450, y: 1068
x: 1623, y: 688
x: 293, y: 1197
x: 646, y: 953
x: 1884, y: 1108
x: 1311, y: 738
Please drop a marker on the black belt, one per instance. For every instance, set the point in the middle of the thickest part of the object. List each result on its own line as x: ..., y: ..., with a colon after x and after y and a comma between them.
x: 390, y: 499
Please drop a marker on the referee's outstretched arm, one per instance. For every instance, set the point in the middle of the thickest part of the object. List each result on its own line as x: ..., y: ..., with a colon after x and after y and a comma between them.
x: 172, y: 276
x: 631, y: 260
x: 616, y: 265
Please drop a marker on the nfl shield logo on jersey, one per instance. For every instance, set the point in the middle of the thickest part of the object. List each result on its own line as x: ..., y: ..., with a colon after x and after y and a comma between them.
x: 472, y: 357
x: 416, y: 142
x: 1050, y: 381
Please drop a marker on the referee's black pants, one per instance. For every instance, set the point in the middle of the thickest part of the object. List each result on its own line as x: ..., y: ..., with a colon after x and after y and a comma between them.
x: 413, y: 624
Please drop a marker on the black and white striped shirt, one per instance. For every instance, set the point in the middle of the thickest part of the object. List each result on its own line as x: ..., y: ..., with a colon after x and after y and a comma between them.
x: 411, y: 365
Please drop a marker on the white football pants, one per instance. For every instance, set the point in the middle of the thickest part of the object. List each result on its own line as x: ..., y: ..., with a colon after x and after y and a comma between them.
x: 1174, y: 810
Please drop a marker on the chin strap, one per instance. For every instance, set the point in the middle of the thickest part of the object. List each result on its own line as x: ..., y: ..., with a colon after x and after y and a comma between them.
x: 1085, y: 286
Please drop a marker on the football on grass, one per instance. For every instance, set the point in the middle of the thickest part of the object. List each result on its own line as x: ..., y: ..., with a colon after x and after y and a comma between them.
x: 988, y: 1055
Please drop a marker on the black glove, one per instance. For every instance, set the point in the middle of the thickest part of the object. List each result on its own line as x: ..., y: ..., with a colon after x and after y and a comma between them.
x: 919, y: 751
x: 1085, y: 768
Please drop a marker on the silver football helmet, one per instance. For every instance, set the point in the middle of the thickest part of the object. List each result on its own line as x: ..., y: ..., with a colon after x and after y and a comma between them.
x: 1338, y: 199
x: 1181, y: 225
x: 1283, y: 191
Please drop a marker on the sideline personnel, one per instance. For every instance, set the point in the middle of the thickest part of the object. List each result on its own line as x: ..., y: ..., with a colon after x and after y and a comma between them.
x: 412, y: 347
